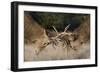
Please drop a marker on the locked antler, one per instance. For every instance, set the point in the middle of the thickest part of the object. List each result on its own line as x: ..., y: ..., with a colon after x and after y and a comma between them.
x: 54, y: 40
x: 55, y: 30
x: 66, y: 28
x: 63, y: 33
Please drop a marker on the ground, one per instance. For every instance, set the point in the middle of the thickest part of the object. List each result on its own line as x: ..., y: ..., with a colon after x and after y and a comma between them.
x: 50, y: 53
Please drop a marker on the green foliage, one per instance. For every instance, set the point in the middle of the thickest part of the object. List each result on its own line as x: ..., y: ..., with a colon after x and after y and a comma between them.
x: 59, y: 20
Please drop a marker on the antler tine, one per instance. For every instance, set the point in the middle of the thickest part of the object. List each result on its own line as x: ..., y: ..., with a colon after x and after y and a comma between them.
x: 55, y: 30
x: 66, y: 28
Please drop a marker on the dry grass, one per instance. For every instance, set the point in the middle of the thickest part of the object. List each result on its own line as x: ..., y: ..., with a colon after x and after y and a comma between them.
x: 50, y: 53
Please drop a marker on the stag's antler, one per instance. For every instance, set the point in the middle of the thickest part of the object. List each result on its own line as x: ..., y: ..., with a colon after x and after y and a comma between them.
x: 66, y: 28
x: 55, y: 30
x: 59, y: 39
x: 63, y: 33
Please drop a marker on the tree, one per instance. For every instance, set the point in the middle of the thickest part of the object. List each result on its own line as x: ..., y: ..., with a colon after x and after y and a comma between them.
x: 59, y: 20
